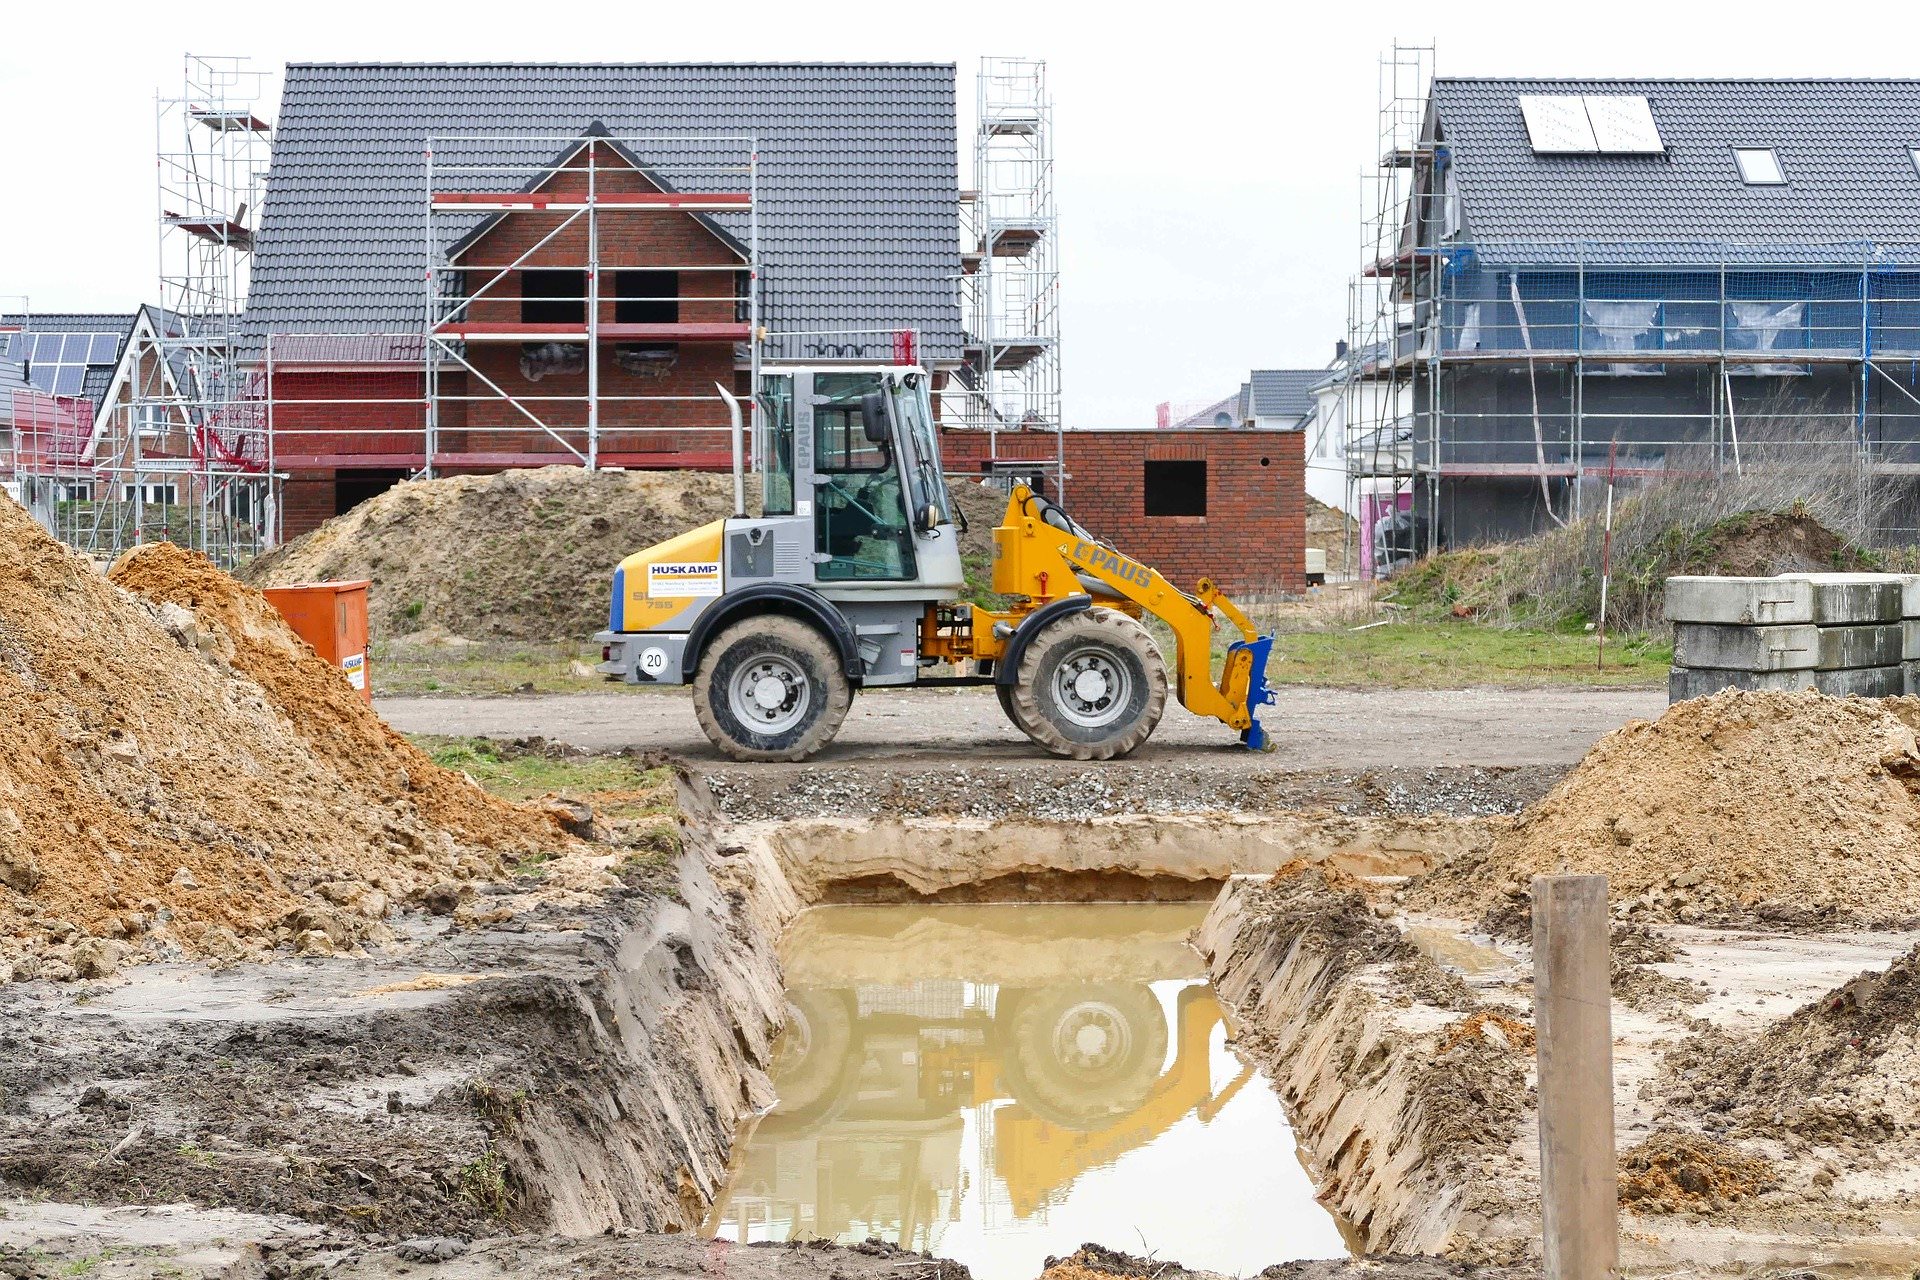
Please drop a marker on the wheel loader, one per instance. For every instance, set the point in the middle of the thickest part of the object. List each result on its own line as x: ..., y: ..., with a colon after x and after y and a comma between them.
x: 850, y: 579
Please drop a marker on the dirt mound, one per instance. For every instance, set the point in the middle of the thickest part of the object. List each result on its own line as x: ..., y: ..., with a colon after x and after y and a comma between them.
x: 1334, y: 532
x: 181, y: 773
x: 1847, y: 1064
x: 1668, y: 529
x: 524, y: 555
x: 1686, y: 1173
x: 1760, y: 544
x: 1797, y: 808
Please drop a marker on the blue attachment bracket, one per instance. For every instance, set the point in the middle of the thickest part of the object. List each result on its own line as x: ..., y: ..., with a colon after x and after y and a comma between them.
x: 1259, y: 695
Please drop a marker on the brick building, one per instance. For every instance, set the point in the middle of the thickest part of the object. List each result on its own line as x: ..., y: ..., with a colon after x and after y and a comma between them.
x: 1202, y: 502
x: 597, y: 245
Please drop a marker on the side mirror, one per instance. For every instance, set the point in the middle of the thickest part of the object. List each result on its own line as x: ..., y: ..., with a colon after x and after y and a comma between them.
x: 929, y: 518
x: 873, y: 415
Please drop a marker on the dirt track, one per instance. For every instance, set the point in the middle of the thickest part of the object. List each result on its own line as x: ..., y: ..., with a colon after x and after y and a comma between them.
x: 1314, y: 728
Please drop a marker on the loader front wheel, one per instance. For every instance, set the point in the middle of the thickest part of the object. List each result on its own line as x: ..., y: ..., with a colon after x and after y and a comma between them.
x: 770, y: 688
x: 1091, y: 686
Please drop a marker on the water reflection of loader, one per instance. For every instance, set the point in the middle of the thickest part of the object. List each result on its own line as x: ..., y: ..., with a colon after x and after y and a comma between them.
x: 867, y: 1137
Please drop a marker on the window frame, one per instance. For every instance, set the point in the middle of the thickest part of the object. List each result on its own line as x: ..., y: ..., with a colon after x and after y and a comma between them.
x: 1749, y: 178
x: 553, y: 298
x: 1150, y: 488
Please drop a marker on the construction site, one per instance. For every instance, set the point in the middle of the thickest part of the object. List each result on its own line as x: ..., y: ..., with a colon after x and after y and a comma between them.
x: 584, y: 705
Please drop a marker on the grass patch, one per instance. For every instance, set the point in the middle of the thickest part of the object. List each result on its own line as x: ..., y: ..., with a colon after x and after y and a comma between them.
x: 1451, y: 655
x: 522, y: 773
x: 410, y: 668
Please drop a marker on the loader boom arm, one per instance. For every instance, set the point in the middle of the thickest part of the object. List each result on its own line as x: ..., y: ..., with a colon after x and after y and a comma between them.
x: 1040, y: 559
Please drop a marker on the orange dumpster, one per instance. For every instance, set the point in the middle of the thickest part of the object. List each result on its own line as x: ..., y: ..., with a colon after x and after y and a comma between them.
x: 332, y: 617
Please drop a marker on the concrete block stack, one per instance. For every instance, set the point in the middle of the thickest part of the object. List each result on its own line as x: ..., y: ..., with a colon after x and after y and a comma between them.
x: 1840, y: 633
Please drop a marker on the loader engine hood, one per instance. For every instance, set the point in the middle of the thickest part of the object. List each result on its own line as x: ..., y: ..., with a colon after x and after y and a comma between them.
x: 664, y: 587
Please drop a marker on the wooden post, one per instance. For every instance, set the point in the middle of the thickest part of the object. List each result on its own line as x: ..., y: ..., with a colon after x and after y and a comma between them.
x: 1572, y: 1013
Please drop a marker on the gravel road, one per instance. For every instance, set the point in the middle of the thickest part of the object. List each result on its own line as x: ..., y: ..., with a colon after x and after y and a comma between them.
x: 1314, y: 728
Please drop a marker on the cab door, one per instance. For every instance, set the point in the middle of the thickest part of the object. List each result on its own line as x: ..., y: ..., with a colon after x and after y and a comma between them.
x: 862, y: 530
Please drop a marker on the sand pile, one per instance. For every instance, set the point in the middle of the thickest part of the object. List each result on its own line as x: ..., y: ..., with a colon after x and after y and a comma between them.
x: 1794, y: 807
x: 1686, y: 1173
x: 524, y: 555
x: 1846, y: 1066
x: 181, y: 774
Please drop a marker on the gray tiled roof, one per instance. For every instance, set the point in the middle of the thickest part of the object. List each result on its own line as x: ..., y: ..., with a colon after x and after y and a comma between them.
x: 98, y: 377
x: 1842, y: 143
x: 1284, y: 393
x: 859, y: 181
x: 70, y: 322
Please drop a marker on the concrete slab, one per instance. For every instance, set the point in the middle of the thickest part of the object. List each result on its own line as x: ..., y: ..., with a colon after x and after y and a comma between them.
x: 1863, y: 682
x: 1842, y: 599
x: 1697, y: 682
x: 1708, y: 645
x: 1912, y: 669
x: 1910, y: 595
x: 1740, y: 602
x: 1910, y: 639
x: 1843, y: 648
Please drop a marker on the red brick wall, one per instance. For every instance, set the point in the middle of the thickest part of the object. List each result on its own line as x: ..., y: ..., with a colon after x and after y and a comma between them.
x: 306, y: 502
x: 1254, y: 535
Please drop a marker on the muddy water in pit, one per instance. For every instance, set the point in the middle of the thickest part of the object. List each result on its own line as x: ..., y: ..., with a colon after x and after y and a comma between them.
x: 995, y: 1084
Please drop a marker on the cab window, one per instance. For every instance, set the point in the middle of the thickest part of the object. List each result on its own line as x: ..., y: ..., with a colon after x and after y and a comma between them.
x: 860, y: 509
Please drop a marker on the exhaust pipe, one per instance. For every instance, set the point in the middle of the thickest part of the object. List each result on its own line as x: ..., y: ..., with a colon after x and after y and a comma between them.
x: 739, y: 451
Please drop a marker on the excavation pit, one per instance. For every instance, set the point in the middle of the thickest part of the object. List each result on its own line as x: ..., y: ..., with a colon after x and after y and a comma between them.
x: 999, y: 1083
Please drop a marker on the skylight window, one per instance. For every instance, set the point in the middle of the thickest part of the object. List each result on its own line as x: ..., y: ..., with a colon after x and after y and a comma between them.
x: 1590, y: 124
x: 1913, y: 154
x: 1759, y: 167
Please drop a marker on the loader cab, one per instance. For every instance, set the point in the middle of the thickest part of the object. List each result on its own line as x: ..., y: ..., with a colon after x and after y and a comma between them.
x: 851, y: 457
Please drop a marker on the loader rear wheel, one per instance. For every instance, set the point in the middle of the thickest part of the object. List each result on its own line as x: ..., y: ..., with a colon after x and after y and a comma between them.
x: 770, y: 688
x: 1091, y: 686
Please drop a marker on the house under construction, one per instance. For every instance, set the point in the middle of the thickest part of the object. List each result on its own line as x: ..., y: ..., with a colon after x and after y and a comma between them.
x: 1568, y: 280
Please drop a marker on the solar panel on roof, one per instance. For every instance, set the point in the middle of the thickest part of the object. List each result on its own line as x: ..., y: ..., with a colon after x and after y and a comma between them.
x: 106, y: 348
x: 1557, y: 123
x: 1623, y: 124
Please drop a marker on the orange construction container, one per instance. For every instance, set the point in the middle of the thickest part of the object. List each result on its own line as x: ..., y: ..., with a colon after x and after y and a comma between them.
x: 332, y: 617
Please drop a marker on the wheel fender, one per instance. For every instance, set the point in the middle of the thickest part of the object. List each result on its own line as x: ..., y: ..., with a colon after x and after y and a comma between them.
x: 1007, y: 670
x: 781, y: 598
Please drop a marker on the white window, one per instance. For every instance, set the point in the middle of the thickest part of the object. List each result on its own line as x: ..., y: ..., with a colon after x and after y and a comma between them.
x: 1759, y: 167
x: 150, y: 419
x: 160, y: 495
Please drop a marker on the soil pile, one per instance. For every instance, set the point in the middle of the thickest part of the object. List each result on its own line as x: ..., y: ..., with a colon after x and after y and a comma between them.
x: 1796, y: 808
x: 524, y: 555
x: 1686, y: 1173
x: 1334, y: 532
x: 182, y: 773
x: 1845, y: 1066
x: 1668, y: 529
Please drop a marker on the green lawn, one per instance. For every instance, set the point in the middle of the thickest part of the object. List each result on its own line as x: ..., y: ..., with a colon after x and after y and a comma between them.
x: 1443, y: 655
x: 488, y: 668
x: 518, y: 774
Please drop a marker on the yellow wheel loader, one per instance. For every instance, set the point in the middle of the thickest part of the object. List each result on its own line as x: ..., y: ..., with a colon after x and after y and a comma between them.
x: 850, y: 579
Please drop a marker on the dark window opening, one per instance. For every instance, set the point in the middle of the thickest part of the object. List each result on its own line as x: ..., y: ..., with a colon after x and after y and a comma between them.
x: 351, y: 488
x: 553, y: 297
x: 646, y: 297
x: 1175, y: 488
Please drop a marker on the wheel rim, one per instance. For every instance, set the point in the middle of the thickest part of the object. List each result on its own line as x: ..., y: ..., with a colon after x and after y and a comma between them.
x: 1091, y: 1037
x: 1092, y: 688
x: 769, y: 693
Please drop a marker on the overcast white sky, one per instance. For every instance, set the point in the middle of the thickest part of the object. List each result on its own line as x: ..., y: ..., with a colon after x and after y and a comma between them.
x: 1208, y: 154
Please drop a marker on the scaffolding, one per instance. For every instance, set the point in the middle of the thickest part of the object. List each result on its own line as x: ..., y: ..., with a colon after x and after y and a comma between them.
x: 526, y: 286
x: 1492, y: 386
x: 179, y: 449
x: 1009, y: 273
